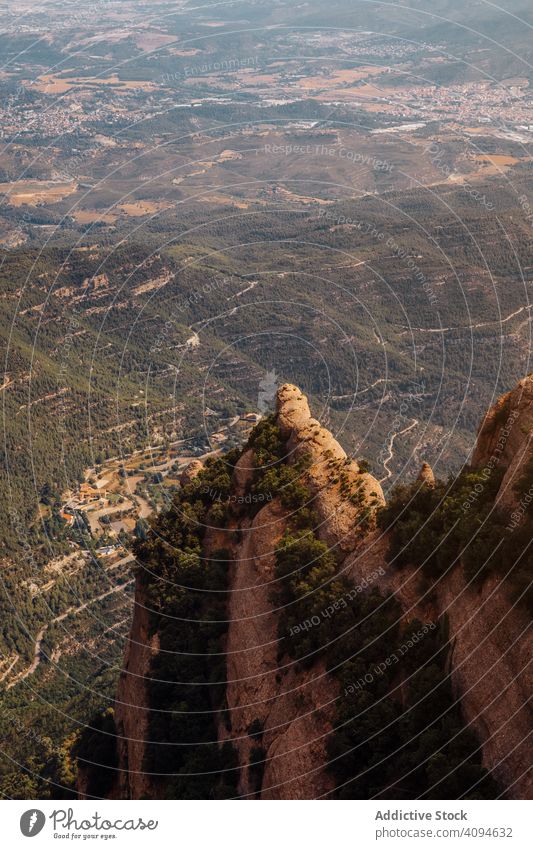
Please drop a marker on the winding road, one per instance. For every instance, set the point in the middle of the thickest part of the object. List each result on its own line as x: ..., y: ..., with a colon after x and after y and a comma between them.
x: 393, y: 436
x: 72, y: 611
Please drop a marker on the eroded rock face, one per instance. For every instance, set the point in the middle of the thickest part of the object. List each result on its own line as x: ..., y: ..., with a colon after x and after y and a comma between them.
x: 505, y: 439
x: 191, y: 471
x: 132, y: 707
x: 491, y: 663
x: 263, y: 686
x: 490, y: 656
x: 293, y: 709
x: 426, y: 475
x: 330, y: 472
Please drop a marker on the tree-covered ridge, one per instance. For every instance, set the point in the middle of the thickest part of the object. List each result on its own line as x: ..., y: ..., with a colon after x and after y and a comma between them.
x: 186, y: 592
x: 458, y: 521
x: 398, y: 733
x: 64, y: 389
x: 398, y: 730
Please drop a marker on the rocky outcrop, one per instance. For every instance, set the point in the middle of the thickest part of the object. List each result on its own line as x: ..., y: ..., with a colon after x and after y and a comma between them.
x: 132, y: 707
x: 191, y: 471
x: 331, y: 473
x: 281, y: 715
x: 426, y: 475
x: 265, y: 690
x: 505, y: 439
x: 293, y: 707
x: 491, y: 638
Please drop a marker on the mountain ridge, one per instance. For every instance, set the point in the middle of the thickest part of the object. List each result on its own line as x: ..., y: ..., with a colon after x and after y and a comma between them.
x: 301, y: 571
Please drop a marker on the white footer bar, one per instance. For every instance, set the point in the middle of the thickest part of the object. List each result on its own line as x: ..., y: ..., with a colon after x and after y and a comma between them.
x: 268, y: 825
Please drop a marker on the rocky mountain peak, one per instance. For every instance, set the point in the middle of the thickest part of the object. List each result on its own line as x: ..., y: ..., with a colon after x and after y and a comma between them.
x: 341, y: 492
x: 297, y: 551
x: 300, y: 429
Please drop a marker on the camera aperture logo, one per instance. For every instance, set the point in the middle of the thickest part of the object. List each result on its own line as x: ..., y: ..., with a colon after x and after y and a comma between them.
x: 32, y: 822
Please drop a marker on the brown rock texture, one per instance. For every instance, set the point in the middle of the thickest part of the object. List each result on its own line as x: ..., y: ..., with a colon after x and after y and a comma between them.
x: 490, y: 660
x: 191, y: 471
x: 294, y: 708
x: 505, y: 439
x: 261, y: 687
x: 491, y: 663
x: 426, y: 475
x: 131, y: 707
x: 340, y: 520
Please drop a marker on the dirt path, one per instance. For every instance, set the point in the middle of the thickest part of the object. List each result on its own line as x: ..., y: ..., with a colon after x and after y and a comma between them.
x: 386, y: 462
x: 71, y: 611
x: 250, y: 286
x: 37, y: 657
x: 471, y: 326
x: 10, y: 667
x: 355, y: 395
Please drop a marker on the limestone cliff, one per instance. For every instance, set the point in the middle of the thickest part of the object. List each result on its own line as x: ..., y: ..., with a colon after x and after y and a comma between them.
x: 132, y: 707
x: 277, y: 714
x: 505, y: 439
x: 294, y: 708
x: 491, y: 649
